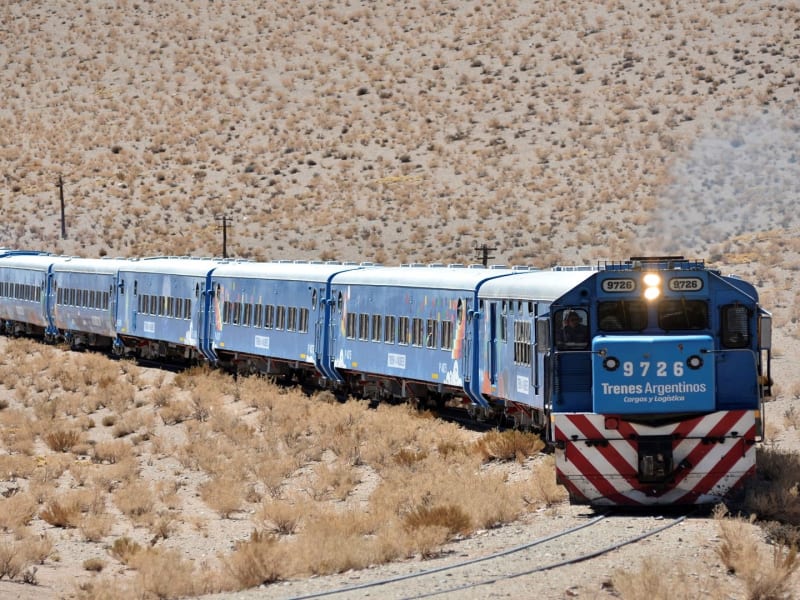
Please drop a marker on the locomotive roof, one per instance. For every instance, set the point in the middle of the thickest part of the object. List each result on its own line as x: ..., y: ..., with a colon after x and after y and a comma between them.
x: 288, y: 271
x: 534, y: 285
x: 434, y: 276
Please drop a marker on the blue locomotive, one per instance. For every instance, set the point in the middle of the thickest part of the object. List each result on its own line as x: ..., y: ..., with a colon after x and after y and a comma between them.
x: 646, y: 376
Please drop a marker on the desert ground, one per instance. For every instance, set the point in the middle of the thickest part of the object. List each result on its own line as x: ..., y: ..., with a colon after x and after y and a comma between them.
x: 552, y: 132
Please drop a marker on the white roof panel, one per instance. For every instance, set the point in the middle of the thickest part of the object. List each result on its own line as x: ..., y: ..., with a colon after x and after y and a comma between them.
x: 288, y: 271
x: 534, y: 285
x: 436, y: 277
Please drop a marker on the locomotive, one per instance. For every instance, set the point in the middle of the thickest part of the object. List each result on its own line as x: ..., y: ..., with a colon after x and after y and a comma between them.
x: 645, y: 376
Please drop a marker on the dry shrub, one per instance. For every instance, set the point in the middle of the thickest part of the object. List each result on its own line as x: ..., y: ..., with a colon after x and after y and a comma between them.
x: 176, y: 411
x: 282, y: 517
x: 12, y: 560
x: 135, y: 500
x: 164, y: 573
x: 62, y: 440
x: 124, y: 549
x: 775, y: 494
x: 333, y: 542
x: 451, y: 517
x: 112, y: 451
x: 408, y: 458
x: 510, y: 444
x: 257, y: 561
x: 17, y: 511
x: 62, y: 513
x: 655, y: 579
x: 542, y: 487
x: 224, y: 494
x: 336, y: 480
x: 94, y: 564
x: 14, y: 466
x: 17, y: 431
x: 94, y: 527
x: 763, y: 578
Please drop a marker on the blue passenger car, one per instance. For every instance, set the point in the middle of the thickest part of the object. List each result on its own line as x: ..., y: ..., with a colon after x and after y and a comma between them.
x: 162, y: 303
x: 272, y: 317
x: 25, y: 293
x: 402, y: 331
x: 511, y: 371
x: 85, y: 307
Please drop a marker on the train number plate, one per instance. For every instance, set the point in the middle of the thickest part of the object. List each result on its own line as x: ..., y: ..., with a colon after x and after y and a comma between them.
x: 618, y: 285
x: 685, y: 284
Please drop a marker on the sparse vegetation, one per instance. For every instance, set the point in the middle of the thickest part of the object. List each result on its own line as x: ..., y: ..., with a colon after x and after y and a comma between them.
x: 556, y: 136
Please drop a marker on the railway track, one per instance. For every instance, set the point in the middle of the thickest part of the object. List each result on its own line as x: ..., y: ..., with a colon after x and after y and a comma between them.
x: 470, y: 578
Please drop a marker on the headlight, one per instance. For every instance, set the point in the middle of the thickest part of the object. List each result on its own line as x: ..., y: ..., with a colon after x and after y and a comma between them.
x: 652, y: 282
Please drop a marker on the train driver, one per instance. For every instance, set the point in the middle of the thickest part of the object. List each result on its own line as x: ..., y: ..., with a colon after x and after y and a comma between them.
x: 574, y: 333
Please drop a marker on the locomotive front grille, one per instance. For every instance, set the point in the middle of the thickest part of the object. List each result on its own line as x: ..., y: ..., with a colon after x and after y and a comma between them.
x: 655, y: 459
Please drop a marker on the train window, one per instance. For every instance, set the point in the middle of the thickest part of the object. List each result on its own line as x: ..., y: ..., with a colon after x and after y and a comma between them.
x: 280, y: 317
x: 269, y: 316
x: 171, y: 307
x: 363, y: 326
x: 153, y: 305
x: 460, y: 311
x: 416, y: 331
x: 376, y: 328
x: 179, y: 308
x: 503, y: 326
x: 291, y: 321
x: 522, y: 343
x: 622, y: 315
x: 403, y: 331
x: 226, y: 312
x: 350, y: 326
x: 572, y: 329
x: 340, y: 301
x: 302, y: 325
x: 430, y: 333
x: 389, y: 329
x: 258, y: 312
x: 135, y: 287
x: 735, y: 329
x: 314, y: 299
x: 196, y: 290
x: 679, y: 314
x: 447, y: 335
x: 247, y: 318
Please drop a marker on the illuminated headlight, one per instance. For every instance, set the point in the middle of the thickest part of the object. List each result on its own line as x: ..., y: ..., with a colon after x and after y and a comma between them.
x: 694, y: 362
x: 611, y: 363
x: 652, y: 281
x: 652, y: 293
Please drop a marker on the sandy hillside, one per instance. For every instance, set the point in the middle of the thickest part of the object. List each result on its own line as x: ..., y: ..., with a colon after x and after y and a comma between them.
x: 554, y: 132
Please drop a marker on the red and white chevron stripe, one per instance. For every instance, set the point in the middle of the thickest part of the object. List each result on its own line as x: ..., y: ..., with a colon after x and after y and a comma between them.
x: 597, y: 457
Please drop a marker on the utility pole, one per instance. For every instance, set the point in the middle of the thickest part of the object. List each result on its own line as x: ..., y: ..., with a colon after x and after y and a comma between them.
x: 484, y: 253
x: 61, y: 197
x: 225, y: 220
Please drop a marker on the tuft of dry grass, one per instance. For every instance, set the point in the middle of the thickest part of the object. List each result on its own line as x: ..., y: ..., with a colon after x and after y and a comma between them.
x: 510, y: 444
x: 763, y: 578
x: 62, y: 440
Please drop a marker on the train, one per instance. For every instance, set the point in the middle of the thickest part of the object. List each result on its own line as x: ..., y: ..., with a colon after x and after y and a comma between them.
x: 646, y: 376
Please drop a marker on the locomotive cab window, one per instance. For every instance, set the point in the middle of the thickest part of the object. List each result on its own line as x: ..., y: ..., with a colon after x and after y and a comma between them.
x: 679, y: 314
x: 622, y: 315
x: 572, y: 329
x: 735, y: 329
